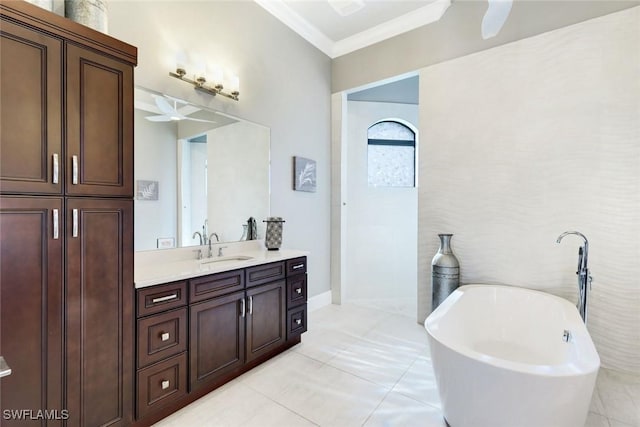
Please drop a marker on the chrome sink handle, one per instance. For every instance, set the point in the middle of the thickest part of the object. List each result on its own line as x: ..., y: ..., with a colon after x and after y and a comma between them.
x: 220, y: 248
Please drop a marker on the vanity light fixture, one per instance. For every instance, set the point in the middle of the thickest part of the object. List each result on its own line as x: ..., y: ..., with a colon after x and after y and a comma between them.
x: 215, y: 88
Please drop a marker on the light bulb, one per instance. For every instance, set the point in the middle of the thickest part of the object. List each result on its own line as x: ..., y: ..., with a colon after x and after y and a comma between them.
x: 234, y: 85
x: 217, y: 76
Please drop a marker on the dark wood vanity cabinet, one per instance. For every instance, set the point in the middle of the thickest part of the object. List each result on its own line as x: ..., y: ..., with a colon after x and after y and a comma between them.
x: 66, y: 290
x: 237, y: 319
x: 296, y: 297
x: 162, y: 342
x: 217, y: 338
x: 266, y: 315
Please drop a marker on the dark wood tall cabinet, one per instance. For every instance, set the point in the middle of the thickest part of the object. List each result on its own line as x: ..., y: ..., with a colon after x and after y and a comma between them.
x: 31, y: 303
x: 99, y: 310
x: 66, y: 219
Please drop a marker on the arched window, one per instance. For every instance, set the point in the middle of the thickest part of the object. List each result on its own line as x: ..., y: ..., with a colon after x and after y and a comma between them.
x: 391, y: 155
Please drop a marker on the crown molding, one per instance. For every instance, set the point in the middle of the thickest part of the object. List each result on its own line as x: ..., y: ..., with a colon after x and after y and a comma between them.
x: 301, y: 26
x: 407, y: 22
x: 402, y: 24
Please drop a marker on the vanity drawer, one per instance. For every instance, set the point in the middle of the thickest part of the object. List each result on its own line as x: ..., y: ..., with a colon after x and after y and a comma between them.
x: 296, y: 290
x: 215, y: 285
x: 155, y: 299
x: 161, y: 336
x: 161, y: 384
x: 296, y: 321
x: 297, y: 266
x: 265, y: 273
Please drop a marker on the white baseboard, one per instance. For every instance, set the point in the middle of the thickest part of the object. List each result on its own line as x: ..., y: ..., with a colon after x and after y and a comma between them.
x: 319, y: 301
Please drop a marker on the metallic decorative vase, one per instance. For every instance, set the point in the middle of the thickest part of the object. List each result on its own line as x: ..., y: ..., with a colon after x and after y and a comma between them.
x: 92, y: 13
x: 273, y: 235
x: 445, y: 272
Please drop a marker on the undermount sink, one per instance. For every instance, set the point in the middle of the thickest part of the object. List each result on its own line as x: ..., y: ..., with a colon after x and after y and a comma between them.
x: 226, y: 258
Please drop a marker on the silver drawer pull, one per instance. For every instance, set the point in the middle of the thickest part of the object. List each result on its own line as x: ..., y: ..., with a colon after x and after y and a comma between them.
x: 298, y: 290
x: 298, y: 321
x: 165, y: 384
x: 74, y: 230
x: 250, y: 305
x: 5, y: 370
x: 295, y: 267
x: 242, y: 307
x: 163, y: 299
x: 56, y: 230
x: 74, y: 173
x: 164, y: 336
x: 55, y: 168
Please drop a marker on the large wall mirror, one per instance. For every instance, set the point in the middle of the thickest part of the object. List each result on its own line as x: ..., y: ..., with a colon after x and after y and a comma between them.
x: 198, y: 172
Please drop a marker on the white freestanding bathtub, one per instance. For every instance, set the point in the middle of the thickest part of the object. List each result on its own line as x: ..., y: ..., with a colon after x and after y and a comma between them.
x: 502, y: 359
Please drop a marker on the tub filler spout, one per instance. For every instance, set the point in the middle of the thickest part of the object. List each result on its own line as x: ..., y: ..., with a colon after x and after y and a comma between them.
x: 584, y: 277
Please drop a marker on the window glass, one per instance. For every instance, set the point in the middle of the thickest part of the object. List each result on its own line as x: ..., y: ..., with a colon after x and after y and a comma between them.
x: 391, y: 155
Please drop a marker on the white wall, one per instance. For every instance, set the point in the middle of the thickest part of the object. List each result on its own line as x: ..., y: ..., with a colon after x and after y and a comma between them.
x: 284, y: 85
x: 381, y: 254
x: 197, y: 207
x: 524, y: 141
x: 229, y: 210
x: 155, y: 152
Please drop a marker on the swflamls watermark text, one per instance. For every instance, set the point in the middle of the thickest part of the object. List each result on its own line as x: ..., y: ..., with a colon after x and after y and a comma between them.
x: 35, y: 414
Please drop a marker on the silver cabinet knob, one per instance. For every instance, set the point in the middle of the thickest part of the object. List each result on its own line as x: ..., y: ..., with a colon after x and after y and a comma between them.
x: 298, y: 321
x: 165, y: 384
x: 298, y: 290
x: 164, y: 336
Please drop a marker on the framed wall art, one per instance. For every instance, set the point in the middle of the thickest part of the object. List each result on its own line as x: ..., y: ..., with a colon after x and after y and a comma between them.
x: 304, y: 174
x: 147, y: 190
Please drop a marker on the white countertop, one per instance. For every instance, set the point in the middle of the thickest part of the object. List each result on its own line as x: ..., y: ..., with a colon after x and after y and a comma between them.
x: 157, y: 267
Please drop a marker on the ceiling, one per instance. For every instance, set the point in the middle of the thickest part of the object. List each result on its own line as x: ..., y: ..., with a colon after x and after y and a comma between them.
x: 376, y: 20
x: 404, y: 91
x: 335, y: 34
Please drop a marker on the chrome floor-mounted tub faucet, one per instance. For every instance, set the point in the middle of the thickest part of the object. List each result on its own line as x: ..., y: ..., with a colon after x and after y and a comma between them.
x: 584, y: 278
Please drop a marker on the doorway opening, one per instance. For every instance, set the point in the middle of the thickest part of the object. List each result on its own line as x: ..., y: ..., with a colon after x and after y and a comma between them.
x: 375, y: 207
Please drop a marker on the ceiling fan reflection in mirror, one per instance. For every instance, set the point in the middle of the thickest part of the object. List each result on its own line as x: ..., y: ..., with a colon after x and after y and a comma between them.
x: 174, y: 112
x: 495, y: 17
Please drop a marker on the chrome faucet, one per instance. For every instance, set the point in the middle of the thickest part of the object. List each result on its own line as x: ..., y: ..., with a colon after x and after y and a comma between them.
x: 210, y: 253
x: 197, y: 233
x: 584, y: 278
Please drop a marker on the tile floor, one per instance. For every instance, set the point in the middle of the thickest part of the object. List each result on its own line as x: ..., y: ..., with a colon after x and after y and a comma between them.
x: 363, y: 365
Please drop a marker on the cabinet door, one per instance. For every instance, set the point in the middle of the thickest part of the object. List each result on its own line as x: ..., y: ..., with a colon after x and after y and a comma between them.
x: 216, y: 343
x: 265, y: 318
x: 31, y: 309
x: 100, y: 320
x: 31, y: 113
x: 99, y: 119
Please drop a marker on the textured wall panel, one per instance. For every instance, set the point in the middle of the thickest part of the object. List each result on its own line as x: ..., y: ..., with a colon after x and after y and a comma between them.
x: 524, y: 141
